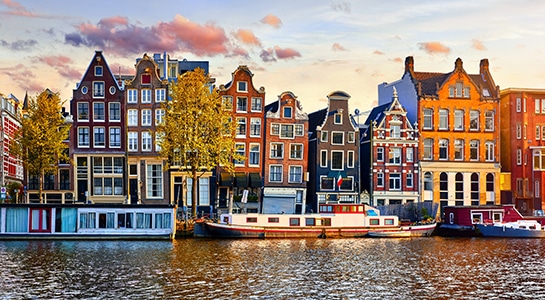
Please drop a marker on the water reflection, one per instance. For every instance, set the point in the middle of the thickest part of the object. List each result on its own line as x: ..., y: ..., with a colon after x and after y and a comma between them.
x: 422, y: 268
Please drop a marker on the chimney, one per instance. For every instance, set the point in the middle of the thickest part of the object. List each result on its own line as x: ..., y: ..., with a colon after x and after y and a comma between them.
x: 409, y: 64
x: 483, y: 66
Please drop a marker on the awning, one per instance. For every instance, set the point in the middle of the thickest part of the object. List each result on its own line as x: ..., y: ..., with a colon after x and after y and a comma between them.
x: 226, y: 179
x: 240, y: 180
x: 255, y: 180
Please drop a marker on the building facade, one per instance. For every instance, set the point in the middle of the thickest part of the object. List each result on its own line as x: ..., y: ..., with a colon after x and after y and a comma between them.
x: 333, y: 154
x: 12, y: 167
x: 285, y: 156
x: 458, y: 119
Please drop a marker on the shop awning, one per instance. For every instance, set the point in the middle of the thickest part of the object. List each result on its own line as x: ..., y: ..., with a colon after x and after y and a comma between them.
x: 255, y: 180
x: 226, y: 179
x: 241, y: 180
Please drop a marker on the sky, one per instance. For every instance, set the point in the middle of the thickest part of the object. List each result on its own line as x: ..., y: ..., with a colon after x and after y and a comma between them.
x: 308, y: 47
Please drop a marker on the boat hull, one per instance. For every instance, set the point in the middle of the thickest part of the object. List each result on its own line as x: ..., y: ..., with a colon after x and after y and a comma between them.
x: 509, y: 232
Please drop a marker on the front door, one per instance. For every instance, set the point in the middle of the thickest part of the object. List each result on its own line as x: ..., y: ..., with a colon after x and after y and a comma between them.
x: 133, y: 190
x: 82, y: 190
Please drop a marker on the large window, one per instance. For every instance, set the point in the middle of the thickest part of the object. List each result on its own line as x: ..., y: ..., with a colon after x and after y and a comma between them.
x: 428, y: 149
x: 159, y: 116
x: 489, y: 182
x: 489, y: 121
x: 133, y: 141
x: 296, y: 174
x: 380, y: 154
x: 115, y: 111
x: 98, y: 89
x: 474, y: 120
x: 257, y: 104
x: 296, y: 151
x: 240, y: 150
x: 254, y: 155
x: 337, y: 160
x: 277, y: 150
x: 443, y: 186
x: 83, y: 111
x: 203, y: 195
x: 241, y: 127
x: 146, y: 117
x: 146, y: 141
x: 337, y: 138
x: 428, y: 181
x: 395, y: 181
x: 443, y: 149
x: 255, y: 127
x: 115, y: 137
x: 395, y: 131
x: 132, y: 96
x: 395, y: 156
x: 459, y: 186
x: 132, y: 117
x: 489, y: 145
x: 443, y: 119
x: 287, y: 131
x: 242, y: 104
x: 323, y: 158
x: 409, y: 153
x: 160, y: 95
x: 146, y: 96
x: 275, y: 173
x: 458, y: 149
x: 98, y: 137
x: 474, y: 150
x: 83, y: 136
x: 458, y: 119
x: 380, y: 179
x: 327, y: 183
x: 154, y: 180
x: 474, y: 189
x: 428, y: 118
x: 287, y: 112
x: 98, y: 111
x: 410, y: 180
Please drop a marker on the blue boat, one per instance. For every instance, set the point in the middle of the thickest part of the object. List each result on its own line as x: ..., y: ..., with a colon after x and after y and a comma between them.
x: 518, y: 229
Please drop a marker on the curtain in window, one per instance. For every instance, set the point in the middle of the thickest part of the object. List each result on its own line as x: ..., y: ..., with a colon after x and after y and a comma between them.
x: 110, y: 220
x: 16, y: 219
x: 158, y: 220
x: 166, y: 220
x: 69, y: 218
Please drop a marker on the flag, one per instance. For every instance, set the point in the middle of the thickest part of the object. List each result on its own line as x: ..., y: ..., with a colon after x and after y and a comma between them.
x: 339, y: 180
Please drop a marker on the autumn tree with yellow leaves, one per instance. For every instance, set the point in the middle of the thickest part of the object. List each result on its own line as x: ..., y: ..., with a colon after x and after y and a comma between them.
x: 40, y: 140
x: 197, y: 132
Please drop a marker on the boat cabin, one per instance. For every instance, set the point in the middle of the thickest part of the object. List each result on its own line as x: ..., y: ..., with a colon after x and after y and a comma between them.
x: 471, y: 215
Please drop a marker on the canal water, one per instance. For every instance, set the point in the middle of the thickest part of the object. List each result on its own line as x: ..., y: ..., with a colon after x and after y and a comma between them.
x: 418, y: 268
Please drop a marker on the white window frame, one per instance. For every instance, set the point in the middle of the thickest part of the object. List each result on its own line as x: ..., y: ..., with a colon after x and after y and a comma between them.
x: 280, y: 168
x: 154, y: 181
x: 160, y: 95
x: 146, y: 117
x: 295, y: 177
x: 242, y: 86
x: 147, y: 141
x: 132, y: 96
x: 99, y: 131
x: 114, y: 143
x: 132, y: 141
x: 83, y: 144
x: 145, y: 96
x: 323, y: 159
x: 256, y: 104
x: 111, y: 115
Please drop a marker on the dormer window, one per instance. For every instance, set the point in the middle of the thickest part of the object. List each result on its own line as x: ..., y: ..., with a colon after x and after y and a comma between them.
x: 287, y: 112
x: 459, y: 90
x: 98, y: 71
x: 242, y: 86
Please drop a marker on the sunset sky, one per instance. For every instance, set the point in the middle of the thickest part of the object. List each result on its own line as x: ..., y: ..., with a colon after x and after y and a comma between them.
x: 310, y: 48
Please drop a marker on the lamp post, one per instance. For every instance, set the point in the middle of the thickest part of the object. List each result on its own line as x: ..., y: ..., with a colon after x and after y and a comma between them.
x: 358, y: 198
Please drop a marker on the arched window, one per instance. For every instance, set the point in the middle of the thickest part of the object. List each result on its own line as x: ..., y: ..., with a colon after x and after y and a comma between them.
x: 474, y: 189
x: 459, y: 186
x: 443, y: 186
x: 428, y: 181
x: 489, y: 182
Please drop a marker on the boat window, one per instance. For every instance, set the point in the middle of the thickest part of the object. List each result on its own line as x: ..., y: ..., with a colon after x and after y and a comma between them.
x: 87, y: 220
x: 40, y: 219
x: 451, y: 218
x: 143, y: 220
x: 106, y: 220
x: 121, y: 221
x: 158, y: 220
x: 326, y: 222
x: 251, y: 220
x: 295, y: 222
x: 274, y: 220
x: 360, y: 208
x: 13, y: 216
x: 310, y: 221
x: 374, y: 222
x: 497, y: 217
x: 476, y: 218
x: 388, y: 221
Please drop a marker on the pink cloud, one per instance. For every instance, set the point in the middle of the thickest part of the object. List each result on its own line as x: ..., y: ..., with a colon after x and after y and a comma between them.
x: 239, y: 52
x: 117, y: 69
x: 434, y: 47
x: 70, y: 73
x: 16, y: 9
x: 247, y: 37
x: 397, y: 60
x: 272, y: 20
x: 286, y: 53
x: 478, y: 45
x: 338, y: 47
x: 113, y: 21
x: 55, y: 61
x: 377, y: 52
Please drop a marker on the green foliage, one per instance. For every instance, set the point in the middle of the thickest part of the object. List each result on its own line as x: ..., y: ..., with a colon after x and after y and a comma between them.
x: 39, y: 142
x: 197, y: 132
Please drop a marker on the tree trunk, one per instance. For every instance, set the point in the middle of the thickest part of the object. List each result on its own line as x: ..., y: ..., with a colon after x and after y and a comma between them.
x: 40, y: 186
x: 194, y: 193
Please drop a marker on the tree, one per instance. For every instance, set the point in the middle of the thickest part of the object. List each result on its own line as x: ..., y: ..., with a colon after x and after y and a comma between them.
x: 197, y: 132
x: 40, y: 140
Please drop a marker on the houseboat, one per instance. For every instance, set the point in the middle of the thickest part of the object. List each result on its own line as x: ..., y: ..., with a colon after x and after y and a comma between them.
x: 333, y: 221
x: 87, y: 221
x: 517, y: 229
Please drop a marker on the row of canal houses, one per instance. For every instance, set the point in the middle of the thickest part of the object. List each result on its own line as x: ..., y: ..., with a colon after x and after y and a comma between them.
x: 433, y: 137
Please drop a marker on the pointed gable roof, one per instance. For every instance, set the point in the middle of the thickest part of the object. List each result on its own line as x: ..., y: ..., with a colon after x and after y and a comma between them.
x: 95, y: 61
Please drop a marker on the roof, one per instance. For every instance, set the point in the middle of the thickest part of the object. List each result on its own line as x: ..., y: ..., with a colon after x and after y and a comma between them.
x: 316, y: 119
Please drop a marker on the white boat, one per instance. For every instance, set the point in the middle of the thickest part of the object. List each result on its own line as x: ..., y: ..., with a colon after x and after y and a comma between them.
x: 333, y: 221
x: 517, y: 229
x: 87, y: 221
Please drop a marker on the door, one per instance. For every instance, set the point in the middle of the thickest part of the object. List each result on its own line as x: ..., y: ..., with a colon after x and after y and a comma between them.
x: 82, y: 190
x: 133, y: 190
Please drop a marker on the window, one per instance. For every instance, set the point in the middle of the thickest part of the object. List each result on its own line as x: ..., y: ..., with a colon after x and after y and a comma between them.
x: 143, y: 220
x: 347, y: 184
x: 254, y: 155
x: 458, y: 119
x: 296, y: 174
x: 160, y: 95
x: 395, y: 131
x: 395, y: 181
x: 443, y: 149
x: 428, y: 119
x: 84, y: 90
x: 518, y: 105
x: 240, y: 149
x: 83, y: 136
x: 98, y: 137
x: 409, y: 154
x: 146, y: 141
x: 489, y: 146
x: 537, y: 106
x: 242, y: 104
x: 133, y: 141
x: 323, y: 136
x: 132, y: 117
x: 98, y: 111
x: 443, y: 186
x: 83, y: 111
x: 519, y: 157
x: 337, y: 138
x: 154, y: 181
x: 380, y: 154
x: 277, y: 150
x: 409, y: 179
x: 538, y: 133
x: 338, y: 119
x: 519, y: 131
x: 337, y: 160
x: 158, y: 139
x: 159, y: 116
x: 256, y: 104
x: 287, y: 112
x: 241, y: 127
x: 275, y: 173
x: 106, y: 220
x: 146, y: 117
x: 380, y: 179
x: 428, y: 181
x: 98, y: 70
x: 132, y: 96
x: 146, y: 96
x: 255, y: 127
x: 489, y: 182
x: 287, y: 131
x: 323, y: 158
x: 474, y: 189
x: 394, y: 156
x: 242, y: 86
x: 115, y: 111
x: 542, y: 105
x: 350, y: 159
x: 115, y: 137
x: 296, y: 151
x: 275, y: 129
x: 295, y: 222
x: 473, y: 120
x: 350, y: 137
x: 474, y: 150
x: 227, y: 102
x: 459, y: 186
x: 443, y: 119
x: 146, y: 79
x: 458, y: 149
x: 489, y: 121
x: 98, y: 89
x: 299, y: 130
x: 327, y: 183
x: 428, y: 149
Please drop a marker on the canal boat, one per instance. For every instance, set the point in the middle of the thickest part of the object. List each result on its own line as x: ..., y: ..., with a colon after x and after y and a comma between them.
x: 518, y: 229
x: 87, y: 221
x: 333, y: 221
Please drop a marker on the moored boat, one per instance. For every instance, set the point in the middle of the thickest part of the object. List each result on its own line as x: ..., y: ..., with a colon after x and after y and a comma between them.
x: 517, y: 229
x: 87, y: 221
x: 333, y: 221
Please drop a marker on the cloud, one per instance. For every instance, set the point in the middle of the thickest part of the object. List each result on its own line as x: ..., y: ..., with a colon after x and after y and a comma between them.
x: 342, y: 6
x: 16, y: 9
x: 478, y: 45
x: 119, y: 37
x: 61, y: 64
x: 286, y: 53
x: 239, y: 52
x: 338, y: 47
x: 272, y: 20
x: 377, y: 52
x: 434, y: 47
x: 247, y: 37
x: 397, y: 59
x: 55, y: 61
x: 117, y: 69
x: 70, y: 73
x: 19, y: 45
x: 267, y: 55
